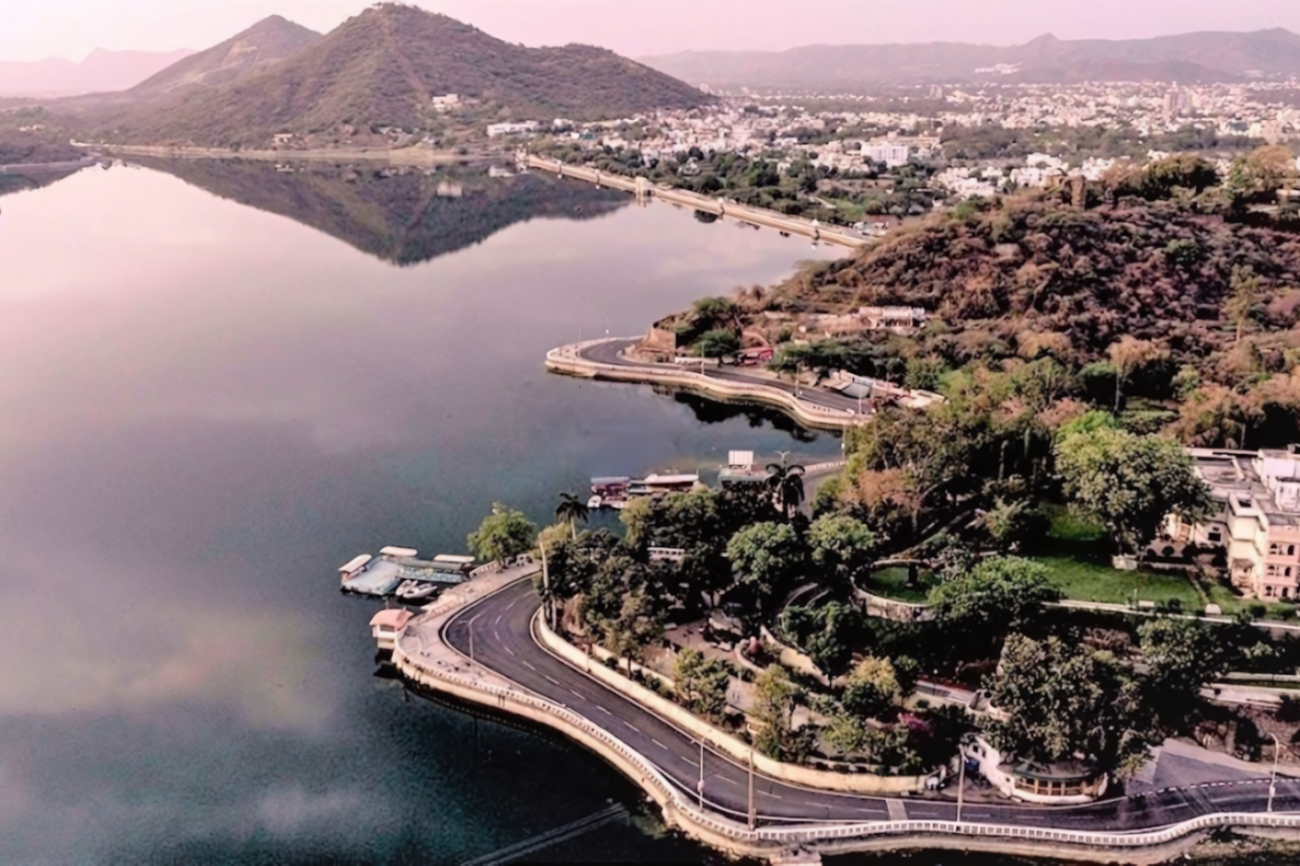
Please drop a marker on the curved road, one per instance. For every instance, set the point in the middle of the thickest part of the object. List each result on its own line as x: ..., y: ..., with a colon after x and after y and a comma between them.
x: 609, y: 353
x: 504, y: 643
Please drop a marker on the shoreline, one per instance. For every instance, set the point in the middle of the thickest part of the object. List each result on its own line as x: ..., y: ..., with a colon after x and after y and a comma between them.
x: 568, y: 360
x: 402, y: 156
x: 423, y: 656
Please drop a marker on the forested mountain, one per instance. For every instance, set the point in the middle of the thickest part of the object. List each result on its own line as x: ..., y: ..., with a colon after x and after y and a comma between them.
x: 382, y: 68
x: 269, y: 40
x: 401, y: 215
x: 100, y: 72
x: 1191, y: 57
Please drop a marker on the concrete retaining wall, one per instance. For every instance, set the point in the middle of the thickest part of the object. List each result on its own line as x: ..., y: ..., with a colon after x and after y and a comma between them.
x: 858, y: 783
x: 566, y: 360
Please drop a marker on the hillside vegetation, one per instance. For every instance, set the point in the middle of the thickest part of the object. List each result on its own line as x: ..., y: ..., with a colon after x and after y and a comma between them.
x: 382, y: 68
x: 266, y: 42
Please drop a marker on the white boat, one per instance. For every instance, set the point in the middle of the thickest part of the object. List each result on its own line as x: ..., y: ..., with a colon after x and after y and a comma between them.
x: 593, y: 504
x: 415, y: 590
x: 421, y: 591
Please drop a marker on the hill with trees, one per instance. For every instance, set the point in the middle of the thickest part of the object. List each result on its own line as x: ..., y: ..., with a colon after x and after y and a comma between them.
x: 268, y: 41
x: 381, y: 69
x: 1186, y: 58
x: 400, y: 215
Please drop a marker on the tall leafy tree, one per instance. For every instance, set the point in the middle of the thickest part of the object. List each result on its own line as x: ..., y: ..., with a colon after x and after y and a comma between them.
x: 503, y: 534
x: 841, y: 545
x: 572, y: 511
x: 1130, y: 484
x: 827, y: 634
x: 766, y: 557
x: 701, y: 683
x: 872, y: 688
x: 1062, y: 700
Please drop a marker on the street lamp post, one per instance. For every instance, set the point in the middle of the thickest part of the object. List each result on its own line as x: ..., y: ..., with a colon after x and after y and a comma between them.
x: 1272, y: 783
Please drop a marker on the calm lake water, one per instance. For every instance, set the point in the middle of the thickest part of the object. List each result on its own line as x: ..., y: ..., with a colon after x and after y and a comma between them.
x: 219, y: 384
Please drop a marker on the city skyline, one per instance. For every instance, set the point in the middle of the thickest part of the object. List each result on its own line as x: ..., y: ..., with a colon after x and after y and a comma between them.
x: 72, y: 28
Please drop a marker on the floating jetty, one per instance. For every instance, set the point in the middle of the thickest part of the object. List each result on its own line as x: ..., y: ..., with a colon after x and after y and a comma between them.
x: 395, y: 566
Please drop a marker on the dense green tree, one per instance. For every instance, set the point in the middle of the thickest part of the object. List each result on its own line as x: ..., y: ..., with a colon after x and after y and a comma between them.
x: 719, y: 343
x: 701, y: 683
x: 775, y: 699
x: 766, y: 557
x: 1130, y: 484
x: 503, y: 534
x: 1180, y: 656
x: 872, y: 688
x: 998, y: 594
x: 840, y: 545
x: 827, y: 634
x: 1062, y: 700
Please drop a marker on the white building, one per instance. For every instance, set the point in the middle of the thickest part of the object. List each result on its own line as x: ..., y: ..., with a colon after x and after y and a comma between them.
x: 443, y: 104
x: 495, y: 130
x: 888, y: 153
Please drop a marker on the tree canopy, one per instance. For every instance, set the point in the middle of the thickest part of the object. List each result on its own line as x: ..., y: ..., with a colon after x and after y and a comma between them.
x: 1130, y: 483
x: 503, y: 534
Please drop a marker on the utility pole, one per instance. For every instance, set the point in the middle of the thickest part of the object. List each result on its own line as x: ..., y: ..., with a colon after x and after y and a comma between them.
x: 701, y: 787
x: 751, y: 788
x: 1272, y: 784
x: 961, y: 779
x: 546, y: 585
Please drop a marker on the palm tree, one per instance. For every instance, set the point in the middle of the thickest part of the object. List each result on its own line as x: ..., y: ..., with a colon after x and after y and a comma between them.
x: 786, y: 483
x: 572, y: 511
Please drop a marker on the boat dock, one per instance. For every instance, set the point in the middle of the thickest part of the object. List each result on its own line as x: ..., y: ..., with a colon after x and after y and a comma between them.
x: 397, y: 567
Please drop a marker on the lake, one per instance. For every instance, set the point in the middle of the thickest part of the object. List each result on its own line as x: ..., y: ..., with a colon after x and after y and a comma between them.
x: 218, y: 383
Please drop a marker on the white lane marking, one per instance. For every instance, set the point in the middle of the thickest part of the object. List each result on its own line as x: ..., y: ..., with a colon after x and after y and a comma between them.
x: 496, y: 635
x: 603, y: 710
x: 509, y: 650
x: 766, y: 794
x: 977, y: 814
x: 918, y: 813
x: 552, y: 682
x: 530, y: 667
x: 730, y: 781
x: 576, y: 695
x: 498, y: 620
x: 633, y: 727
x: 689, y: 761
x: 659, y: 744
x: 513, y: 603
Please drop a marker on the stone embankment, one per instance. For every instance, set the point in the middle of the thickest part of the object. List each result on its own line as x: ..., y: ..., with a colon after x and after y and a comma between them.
x: 424, y: 658
x: 412, y: 156
x: 569, y: 360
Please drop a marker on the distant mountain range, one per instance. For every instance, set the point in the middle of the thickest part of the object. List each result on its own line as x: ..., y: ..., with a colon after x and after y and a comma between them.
x: 379, y: 69
x: 102, y: 71
x: 1188, y: 58
x: 403, y: 217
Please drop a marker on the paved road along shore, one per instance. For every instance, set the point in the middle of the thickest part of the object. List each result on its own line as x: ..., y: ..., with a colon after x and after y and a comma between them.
x: 504, y: 643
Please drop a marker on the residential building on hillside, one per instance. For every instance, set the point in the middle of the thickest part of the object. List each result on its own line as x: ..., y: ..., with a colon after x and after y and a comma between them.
x: 1259, y: 521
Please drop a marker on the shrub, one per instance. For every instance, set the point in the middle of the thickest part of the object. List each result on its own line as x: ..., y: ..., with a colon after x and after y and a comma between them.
x: 611, y: 663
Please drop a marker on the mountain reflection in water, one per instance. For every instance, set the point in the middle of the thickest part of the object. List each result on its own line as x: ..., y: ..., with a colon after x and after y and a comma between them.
x: 403, y: 215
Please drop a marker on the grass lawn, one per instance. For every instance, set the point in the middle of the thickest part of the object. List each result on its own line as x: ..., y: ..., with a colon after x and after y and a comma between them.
x: 1077, y: 556
x: 892, y: 583
x: 1082, y: 578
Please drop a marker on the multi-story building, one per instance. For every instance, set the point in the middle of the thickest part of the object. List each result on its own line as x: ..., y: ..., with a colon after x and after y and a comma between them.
x: 1259, y: 521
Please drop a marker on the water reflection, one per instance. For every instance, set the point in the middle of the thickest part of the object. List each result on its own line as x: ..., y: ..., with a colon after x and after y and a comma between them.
x: 400, y: 214
x: 206, y: 409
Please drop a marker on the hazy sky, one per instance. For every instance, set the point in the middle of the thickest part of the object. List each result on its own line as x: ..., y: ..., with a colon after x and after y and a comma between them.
x: 71, y: 28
